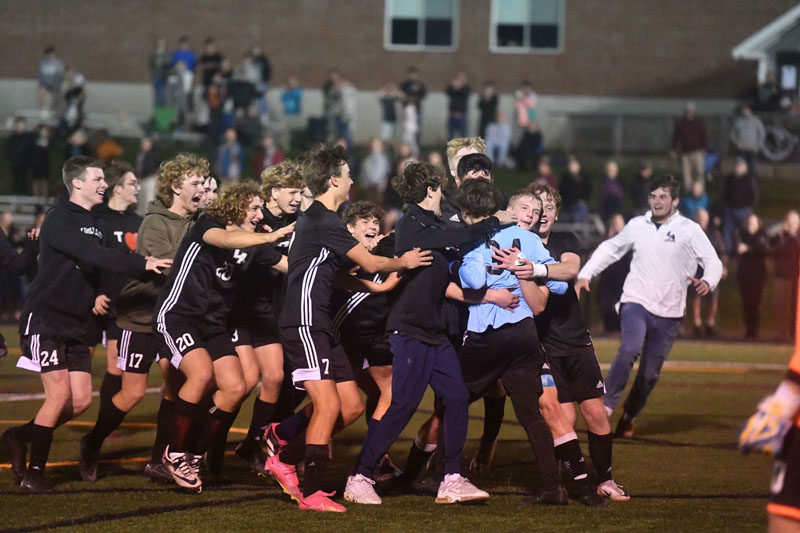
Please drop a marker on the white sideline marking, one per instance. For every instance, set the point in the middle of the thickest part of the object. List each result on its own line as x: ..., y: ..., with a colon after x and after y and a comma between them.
x: 14, y: 397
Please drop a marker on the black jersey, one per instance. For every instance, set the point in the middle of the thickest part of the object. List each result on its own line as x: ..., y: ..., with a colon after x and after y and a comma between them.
x: 122, y: 228
x: 561, y: 326
x: 201, y: 284
x: 319, y: 244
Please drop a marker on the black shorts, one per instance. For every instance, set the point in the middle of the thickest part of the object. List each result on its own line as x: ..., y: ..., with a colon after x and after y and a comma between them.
x: 180, y: 337
x: 784, y: 497
x: 313, y: 355
x: 46, y: 353
x: 365, y: 351
x: 137, y: 351
x: 101, y: 329
x: 511, y: 353
x: 578, y: 377
x: 255, y: 333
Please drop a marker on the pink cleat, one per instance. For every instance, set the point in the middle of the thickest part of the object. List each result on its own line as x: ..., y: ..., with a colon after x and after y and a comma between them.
x: 274, y: 443
x: 286, y: 476
x: 320, y: 501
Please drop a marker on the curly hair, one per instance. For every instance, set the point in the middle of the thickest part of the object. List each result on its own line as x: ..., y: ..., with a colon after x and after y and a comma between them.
x: 230, y: 207
x: 362, y: 210
x: 412, y: 185
x: 540, y: 190
x: 286, y: 174
x: 172, y: 172
x: 319, y: 165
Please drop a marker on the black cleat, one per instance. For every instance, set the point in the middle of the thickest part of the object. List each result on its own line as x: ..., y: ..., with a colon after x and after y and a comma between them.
x: 557, y: 496
x: 214, y: 457
x: 428, y: 484
x: 18, y: 451
x: 252, y: 454
x: 624, y: 428
x: 157, y: 472
x: 588, y: 496
x: 34, y: 482
x: 88, y: 461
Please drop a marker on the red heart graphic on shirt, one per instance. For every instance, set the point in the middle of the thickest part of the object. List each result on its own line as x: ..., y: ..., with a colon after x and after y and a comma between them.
x: 130, y: 240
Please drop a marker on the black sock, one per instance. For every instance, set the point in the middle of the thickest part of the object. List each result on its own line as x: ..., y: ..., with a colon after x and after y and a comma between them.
x: 494, y: 409
x: 369, y: 408
x: 571, y: 457
x: 41, y: 439
x: 316, y: 462
x: 108, y: 419
x: 417, y: 459
x: 186, y: 414
x: 292, y: 426
x: 164, y: 423
x: 263, y: 415
x: 111, y: 385
x: 23, y: 432
x: 600, y: 447
x: 215, y: 427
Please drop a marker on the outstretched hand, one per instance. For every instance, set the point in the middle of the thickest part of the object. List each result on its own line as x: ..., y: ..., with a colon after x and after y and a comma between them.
x: 416, y: 258
x: 581, y: 284
x: 155, y: 264
x: 279, y: 234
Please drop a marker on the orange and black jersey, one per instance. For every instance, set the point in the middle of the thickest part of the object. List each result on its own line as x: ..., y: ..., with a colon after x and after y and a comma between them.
x: 202, y: 282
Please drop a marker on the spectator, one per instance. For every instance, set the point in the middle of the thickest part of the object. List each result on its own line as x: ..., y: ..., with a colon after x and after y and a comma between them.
x: 41, y: 148
x: 640, y: 188
x: 229, y: 159
x: 530, y: 147
x: 785, y: 247
x: 612, y: 279
x: 458, y: 92
x: 768, y: 98
x: 576, y: 189
x: 106, y: 148
x: 267, y: 155
x: 487, y: 105
x: 292, y: 98
x: 544, y: 173
x: 210, y: 62
x: 696, y: 199
x: 242, y: 88
x: 748, y: 137
x: 179, y: 92
x: 414, y: 90
x: 525, y: 105
x: 220, y: 107
x: 264, y: 74
x: 333, y: 105
x: 159, y: 70
x: 714, y: 235
x: 435, y: 160
x: 611, y: 192
x: 410, y: 132
x: 74, y: 98
x: 352, y: 160
x: 350, y: 105
x: 183, y: 53
x: 375, y: 172
x: 737, y: 196
x: 18, y: 152
x: 690, y: 140
x: 77, y: 145
x: 388, y: 95
x: 498, y: 139
x: 752, y: 273
x: 147, y: 160
x: 51, y: 77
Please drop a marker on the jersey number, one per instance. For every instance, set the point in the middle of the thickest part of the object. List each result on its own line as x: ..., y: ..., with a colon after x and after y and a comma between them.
x: 235, y: 336
x: 240, y: 256
x: 48, y: 358
x: 327, y: 364
x: 490, y: 244
x: 135, y: 359
x: 184, y: 341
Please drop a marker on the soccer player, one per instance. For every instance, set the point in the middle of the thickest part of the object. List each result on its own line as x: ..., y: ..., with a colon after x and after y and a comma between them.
x: 17, y: 263
x: 73, y: 253
x: 775, y: 429
x: 192, y: 319
x: 179, y: 194
x: 318, y: 364
x: 422, y: 352
x: 667, y: 248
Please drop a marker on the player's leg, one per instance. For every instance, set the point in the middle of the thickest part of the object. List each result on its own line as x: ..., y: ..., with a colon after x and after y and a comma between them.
x: 634, y: 327
x: 230, y: 382
x: 326, y: 407
x: 165, y: 419
x: 494, y: 407
x: 382, y: 375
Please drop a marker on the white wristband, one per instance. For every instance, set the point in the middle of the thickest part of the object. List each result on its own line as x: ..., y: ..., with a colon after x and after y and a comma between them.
x: 539, y: 270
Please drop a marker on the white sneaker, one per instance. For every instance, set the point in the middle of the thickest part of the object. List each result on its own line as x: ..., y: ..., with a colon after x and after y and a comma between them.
x: 457, y: 488
x: 612, y: 491
x: 359, y: 489
x: 182, y: 472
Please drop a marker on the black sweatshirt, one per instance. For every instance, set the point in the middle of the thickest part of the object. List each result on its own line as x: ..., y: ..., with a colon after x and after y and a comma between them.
x: 418, y: 312
x: 17, y: 263
x: 74, y: 250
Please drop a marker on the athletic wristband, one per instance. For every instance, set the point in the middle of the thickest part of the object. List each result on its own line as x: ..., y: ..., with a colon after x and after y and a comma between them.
x: 540, y: 270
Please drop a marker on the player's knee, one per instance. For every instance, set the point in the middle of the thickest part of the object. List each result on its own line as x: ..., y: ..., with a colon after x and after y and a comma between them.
x: 236, y: 389
x: 456, y: 398
x: 351, y: 411
x: 273, y: 381
x: 80, y: 403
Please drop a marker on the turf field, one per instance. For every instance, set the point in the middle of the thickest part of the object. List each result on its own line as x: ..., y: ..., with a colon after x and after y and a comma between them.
x: 682, y: 469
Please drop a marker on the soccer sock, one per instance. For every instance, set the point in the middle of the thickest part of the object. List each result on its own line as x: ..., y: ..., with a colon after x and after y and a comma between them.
x: 316, y: 462
x: 111, y: 385
x: 568, y: 451
x: 41, y: 439
x: 263, y: 415
x: 215, y: 427
x: 292, y: 426
x: 494, y: 411
x: 164, y: 423
x: 108, y: 419
x: 23, y: 432
x: 369, y: 408
x: 600, y: 447
x: 418, y: 457
x: 185, y: 418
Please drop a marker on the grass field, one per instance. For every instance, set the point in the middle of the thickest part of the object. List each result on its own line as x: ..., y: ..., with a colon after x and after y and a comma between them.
x: 682, y: 468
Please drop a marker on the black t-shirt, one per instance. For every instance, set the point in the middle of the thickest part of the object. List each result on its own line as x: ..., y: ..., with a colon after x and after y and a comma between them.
x: 319, y: 244
x: 123, y: 228
x: 561, y: 326
x: 202, y: 282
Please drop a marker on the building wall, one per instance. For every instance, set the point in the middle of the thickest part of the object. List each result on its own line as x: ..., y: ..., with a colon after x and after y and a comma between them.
x: 629, y: 48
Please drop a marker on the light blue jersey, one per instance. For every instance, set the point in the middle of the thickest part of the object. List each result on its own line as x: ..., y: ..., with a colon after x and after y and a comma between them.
x: 477, y: 272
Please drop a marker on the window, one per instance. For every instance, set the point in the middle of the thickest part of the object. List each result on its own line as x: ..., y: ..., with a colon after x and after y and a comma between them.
x: 527, y: 26
x: 420, y: 25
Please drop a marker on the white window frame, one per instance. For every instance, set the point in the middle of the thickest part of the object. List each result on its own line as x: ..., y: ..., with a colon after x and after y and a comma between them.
x: 559, y: 49
x: 387, y: 33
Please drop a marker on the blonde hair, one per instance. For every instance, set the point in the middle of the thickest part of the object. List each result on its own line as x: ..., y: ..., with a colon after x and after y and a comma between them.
x: 285, y: 174
x: 171, y: 174
x: 454, y: 145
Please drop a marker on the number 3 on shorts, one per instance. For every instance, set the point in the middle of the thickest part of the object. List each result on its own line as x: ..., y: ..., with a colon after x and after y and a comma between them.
x: 184, y: 341
x: 327, y: 363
